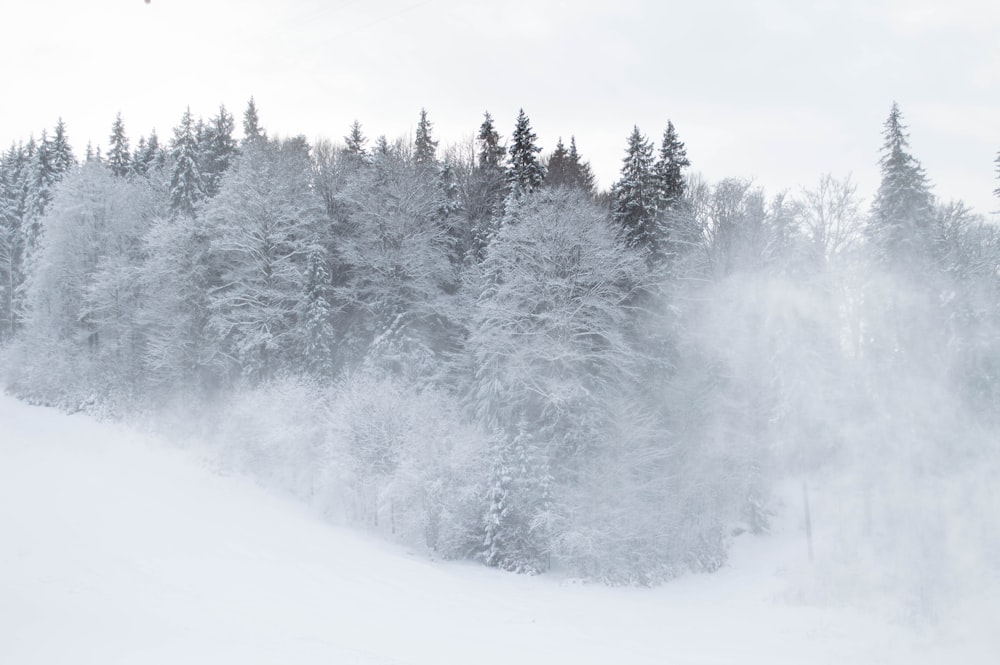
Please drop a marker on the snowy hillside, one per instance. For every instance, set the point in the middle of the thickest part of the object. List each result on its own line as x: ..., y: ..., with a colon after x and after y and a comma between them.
x: 117, y: 548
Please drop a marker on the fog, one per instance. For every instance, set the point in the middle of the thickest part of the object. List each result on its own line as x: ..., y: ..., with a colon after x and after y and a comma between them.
x: 473, y: 352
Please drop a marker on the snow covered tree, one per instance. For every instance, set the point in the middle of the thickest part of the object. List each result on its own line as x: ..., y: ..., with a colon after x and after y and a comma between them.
x: 119, y: 159
x: 263, y: 222
x: 491, y: 152
x: 252, y: 131
x: 635, y: 196
x: 549, y: 347
x: 395, y: 307
x: 217, y: 149
x: 669, y: 170
x: 525, y: 173
x: 355, y: 141
x: 62, y: 157
x: 316, y: 331
x: 186, y: 185
x: 424, y: 147
x: 565, y: 168
x: 902, y: 211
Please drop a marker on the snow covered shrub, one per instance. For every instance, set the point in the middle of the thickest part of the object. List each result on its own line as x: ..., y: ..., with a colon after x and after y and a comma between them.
x: 276, y: 432
x: 413, y: 467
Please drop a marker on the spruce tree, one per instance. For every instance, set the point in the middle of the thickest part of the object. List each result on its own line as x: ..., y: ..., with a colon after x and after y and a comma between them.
x: 903, y: 210
x: 252, y: 131
x: 565, y: 169
x: 186, y: 188
x: 525, y: 173
x: 582, y: 176
x: 61, y: 153
x: 424, y: 147
x: 355, y: 140
x: 557, y: 171
x: 119, y: 157
x: 635, y: 195
x: 669, y: 170
x: 217, y: 150
x: 491, y: 153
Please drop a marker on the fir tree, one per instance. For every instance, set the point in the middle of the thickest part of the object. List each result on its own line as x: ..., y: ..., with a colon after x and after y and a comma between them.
x: 581, y: 175
x: 119, y: 157
x: 525, y: 173
x: 903, y: 210
x: 424, y: 147
x: 252, y: 131
x: 635, y: 194
x: 186, y: 188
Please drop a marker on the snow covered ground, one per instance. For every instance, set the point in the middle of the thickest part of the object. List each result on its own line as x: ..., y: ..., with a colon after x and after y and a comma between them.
x: 118, y: 548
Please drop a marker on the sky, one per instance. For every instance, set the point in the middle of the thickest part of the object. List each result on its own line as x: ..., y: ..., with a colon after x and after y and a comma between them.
x: 780, y: 91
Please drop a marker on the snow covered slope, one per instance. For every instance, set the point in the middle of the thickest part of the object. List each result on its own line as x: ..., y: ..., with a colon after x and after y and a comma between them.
x: 117, y: 548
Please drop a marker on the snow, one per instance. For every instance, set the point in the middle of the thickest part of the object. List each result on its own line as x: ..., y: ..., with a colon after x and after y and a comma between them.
x: 116, y: 547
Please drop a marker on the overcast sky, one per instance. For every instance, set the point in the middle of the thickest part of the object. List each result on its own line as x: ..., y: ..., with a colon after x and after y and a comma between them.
x: 777, y: 90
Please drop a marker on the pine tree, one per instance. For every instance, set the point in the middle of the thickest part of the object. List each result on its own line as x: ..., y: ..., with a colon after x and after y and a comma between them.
x: 186, y: 188
x: 424, y: 147
x: 119, y: 157
x: 635, y: 194
x: 903, y: 210
x: 355, y: 140
x: 525, y: 173
x: 252, y: 131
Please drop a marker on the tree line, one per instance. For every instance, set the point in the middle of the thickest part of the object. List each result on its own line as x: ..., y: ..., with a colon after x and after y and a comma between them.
x: 501, y: 361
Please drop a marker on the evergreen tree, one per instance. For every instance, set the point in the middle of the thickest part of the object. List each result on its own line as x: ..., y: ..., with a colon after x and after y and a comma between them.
x: 317, y: 343
x: 252, y: 131
x: 635, y: 195
x: 566, y: 170
x: 903, y: 210
x: 491, y: 153
x: 424, y: 147
x: 525, y: 173
x: 218, y: 149
x: 669, y: 170
x: 355, y: 140
x: 119, y: 157
x: 62, y: 158
x: 186, y: 188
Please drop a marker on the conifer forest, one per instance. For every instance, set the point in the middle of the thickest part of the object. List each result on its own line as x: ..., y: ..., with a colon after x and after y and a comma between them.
x: 474, y: 350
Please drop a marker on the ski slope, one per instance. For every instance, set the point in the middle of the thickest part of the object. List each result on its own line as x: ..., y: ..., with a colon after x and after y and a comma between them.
x: 117, y: 548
